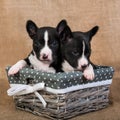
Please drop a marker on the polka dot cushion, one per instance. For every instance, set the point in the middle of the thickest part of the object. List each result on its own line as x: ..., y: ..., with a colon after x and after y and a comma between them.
x: 59, y: 80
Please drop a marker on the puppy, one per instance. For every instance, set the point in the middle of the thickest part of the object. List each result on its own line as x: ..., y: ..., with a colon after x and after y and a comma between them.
x: 76, y: 49
x: 45, y: 55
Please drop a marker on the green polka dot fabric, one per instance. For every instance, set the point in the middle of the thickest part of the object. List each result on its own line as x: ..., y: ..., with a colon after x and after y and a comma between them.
x: 58, y: 80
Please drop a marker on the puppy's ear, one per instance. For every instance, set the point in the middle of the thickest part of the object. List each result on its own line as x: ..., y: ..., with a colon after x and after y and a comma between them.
x: 31, y: 28
x: 64, y: 31
x: 61, y: 26
x: 92, y: 32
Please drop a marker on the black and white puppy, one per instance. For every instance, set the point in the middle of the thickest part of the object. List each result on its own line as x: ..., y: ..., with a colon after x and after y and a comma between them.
x: 46, y: 54
x: 76, y: 49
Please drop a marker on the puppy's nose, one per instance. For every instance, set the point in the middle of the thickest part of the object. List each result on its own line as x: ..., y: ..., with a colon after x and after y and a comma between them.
x: 84, y: 66
x: 45, y: 56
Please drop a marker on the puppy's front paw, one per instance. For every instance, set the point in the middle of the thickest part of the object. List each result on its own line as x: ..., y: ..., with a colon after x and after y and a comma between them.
x: 89, y: 73
x: 15, y: 68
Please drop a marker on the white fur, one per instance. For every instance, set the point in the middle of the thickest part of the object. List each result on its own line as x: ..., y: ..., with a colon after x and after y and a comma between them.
x: 82, y: 60
x: 40, y: 65
x: 44, y: 66
x: 46, y: 36
x: 89, y: 72
x: 15, y: 68
x: 46, y: 50
x: 67, y: 67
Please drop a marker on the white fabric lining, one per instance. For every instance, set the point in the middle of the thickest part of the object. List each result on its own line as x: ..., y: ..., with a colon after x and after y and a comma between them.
x: 74, y: 88
x: 78, y: 87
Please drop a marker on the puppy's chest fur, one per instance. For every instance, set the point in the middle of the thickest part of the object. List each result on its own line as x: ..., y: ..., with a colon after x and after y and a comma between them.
x: 38, y: 65
x: 66, y: 67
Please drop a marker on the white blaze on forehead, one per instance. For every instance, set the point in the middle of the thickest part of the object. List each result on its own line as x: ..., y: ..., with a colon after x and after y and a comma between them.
x: 46, y: 49
x: 82, y: 60
x: 46, y: 36
x: 83, y: 48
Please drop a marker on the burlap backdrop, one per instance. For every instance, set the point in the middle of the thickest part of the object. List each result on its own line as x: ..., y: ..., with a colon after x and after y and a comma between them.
x: 81, y: 15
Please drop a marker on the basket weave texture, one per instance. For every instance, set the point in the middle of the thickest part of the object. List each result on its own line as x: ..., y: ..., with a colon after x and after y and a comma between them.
x: 78, y: 96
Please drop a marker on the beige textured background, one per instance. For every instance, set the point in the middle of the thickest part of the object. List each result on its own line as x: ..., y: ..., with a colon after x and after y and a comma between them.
x: 81, y: 15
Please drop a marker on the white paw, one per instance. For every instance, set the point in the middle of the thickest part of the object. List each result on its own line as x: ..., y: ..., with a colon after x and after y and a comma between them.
x: 15, y: 68
x: 89, y: 73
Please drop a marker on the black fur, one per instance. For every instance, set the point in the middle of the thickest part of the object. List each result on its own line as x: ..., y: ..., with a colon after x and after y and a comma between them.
x: 71, y: 43
x: 37, y: 35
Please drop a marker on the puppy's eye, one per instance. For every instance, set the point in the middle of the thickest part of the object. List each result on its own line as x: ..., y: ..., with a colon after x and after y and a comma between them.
x: 54, y: 43
x: 75, y: 53
x: 37, y: 44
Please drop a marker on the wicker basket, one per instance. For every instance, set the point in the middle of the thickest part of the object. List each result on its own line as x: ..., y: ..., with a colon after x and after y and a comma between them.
x: 60, y: 95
